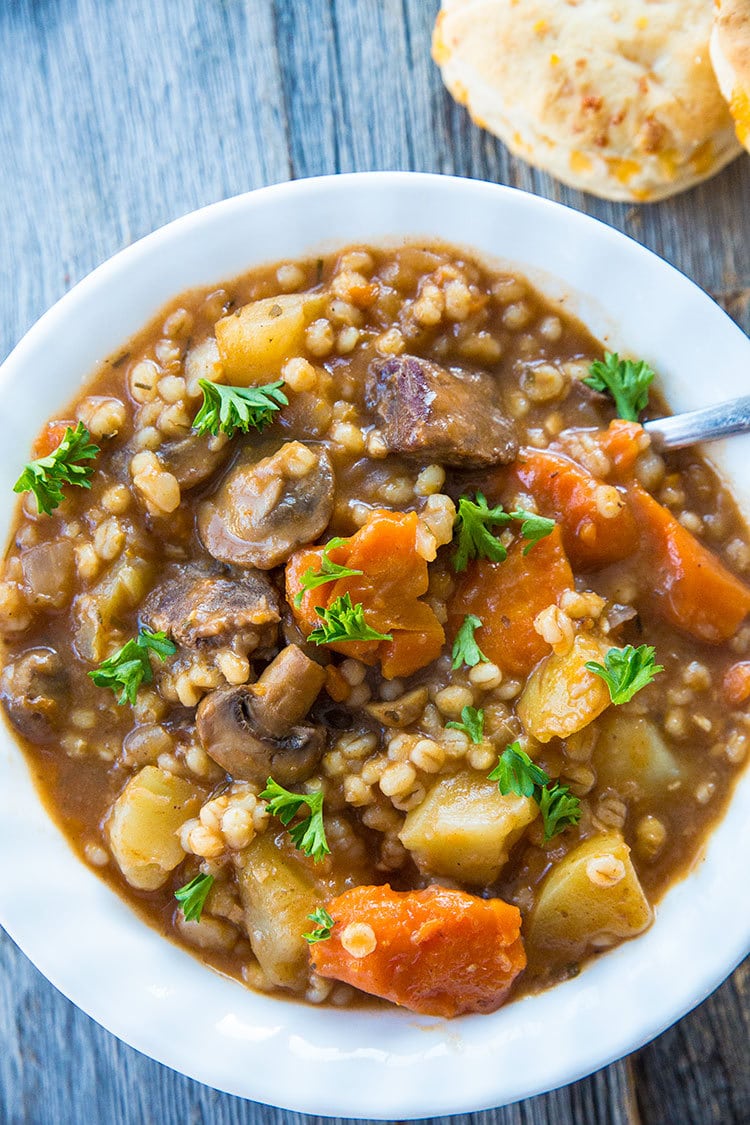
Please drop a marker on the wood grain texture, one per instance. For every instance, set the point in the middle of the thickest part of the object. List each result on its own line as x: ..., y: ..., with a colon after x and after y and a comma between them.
x: 119, y: 115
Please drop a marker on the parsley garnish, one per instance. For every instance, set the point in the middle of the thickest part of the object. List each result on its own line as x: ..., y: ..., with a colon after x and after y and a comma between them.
x: 329, y: 572
x: 626, y: 670
x: 533, y: 527
x: 309, y: 834
x: 516, y: 773
x: 626, y: 380
x: 475, y: 539
x: 559, y: 809
x: 343, y: 621
x: 472, y: 723
x: 465, y: 648
x: 192, y: 897
x: 227, y: 409
x: 324, y: 924
x: 46, y: 476
x: 130, y: 666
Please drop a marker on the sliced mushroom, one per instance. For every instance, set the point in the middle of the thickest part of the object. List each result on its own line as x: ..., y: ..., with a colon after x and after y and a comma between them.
x: 263, y: 511
x: 254, y: 732
x: 35, y: 690
x: 194, y: 458
x: 199, y: 609
x: 401, y: 712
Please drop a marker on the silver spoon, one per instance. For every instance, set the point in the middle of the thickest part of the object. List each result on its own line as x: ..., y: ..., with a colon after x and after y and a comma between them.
x: 722, y: 420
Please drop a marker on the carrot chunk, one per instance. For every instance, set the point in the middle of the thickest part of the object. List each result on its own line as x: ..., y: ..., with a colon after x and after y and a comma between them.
x: 622, y: 442
x: 394, y: 578
x: 50, y: 437
x: 597, y: 527
x: 687, y: 585
x: 736, y: 684
x: 506, y: 597
x: 439, y: 952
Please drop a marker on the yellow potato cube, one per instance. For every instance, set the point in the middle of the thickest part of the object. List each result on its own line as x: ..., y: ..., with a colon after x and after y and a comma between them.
x: 561, y: 696
x: 277, y: 894
x: 255, y: 341
x: 591, y: 898
x: 144, y: 825
x: 465, y: 828
x: 632, y: 757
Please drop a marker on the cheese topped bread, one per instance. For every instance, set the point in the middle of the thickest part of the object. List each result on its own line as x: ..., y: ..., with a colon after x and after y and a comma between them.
x: 618, y: 99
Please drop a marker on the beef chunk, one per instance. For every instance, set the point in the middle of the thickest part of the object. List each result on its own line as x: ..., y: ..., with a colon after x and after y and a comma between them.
x: 194, y: 609
x: 435, y: 414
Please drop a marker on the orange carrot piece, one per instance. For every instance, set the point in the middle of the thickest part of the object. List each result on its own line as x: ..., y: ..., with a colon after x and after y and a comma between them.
x: 581, y: 504
x: 736, y: 685
x: 439, y: 952
x: 623, y: 442
x: 506, y: 596
x: 50, y: 437
x: 394, y: 578
x: 687, y: 585
x: 336, y: 685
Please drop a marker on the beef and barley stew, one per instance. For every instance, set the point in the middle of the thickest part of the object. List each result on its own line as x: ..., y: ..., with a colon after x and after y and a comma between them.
x: 356, y: 634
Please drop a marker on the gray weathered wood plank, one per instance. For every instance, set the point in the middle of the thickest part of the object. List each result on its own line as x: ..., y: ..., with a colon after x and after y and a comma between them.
x: 119, y: 115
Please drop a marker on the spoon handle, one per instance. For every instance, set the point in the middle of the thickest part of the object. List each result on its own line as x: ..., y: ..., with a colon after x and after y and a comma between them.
x: 701, y: 425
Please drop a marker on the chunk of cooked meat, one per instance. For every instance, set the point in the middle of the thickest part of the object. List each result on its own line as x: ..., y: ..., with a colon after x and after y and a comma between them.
x: 254, y: 732
x: 263, y: 511
x: 194, y: 458
x: 432, y: 413
x: 198, y: 609
x: 35, y: 693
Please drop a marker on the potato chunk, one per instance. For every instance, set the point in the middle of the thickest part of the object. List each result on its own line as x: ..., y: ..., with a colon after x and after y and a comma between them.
x: 255, y: 340
x: 561, y: 696
x: 591, y: 897
x: 144, y: 824
x: 465, y: 828
x: 277, y: 894
x: 631, y: 756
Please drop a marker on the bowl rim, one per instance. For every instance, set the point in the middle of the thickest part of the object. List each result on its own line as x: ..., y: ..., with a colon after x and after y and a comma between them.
x: 347, y: 1073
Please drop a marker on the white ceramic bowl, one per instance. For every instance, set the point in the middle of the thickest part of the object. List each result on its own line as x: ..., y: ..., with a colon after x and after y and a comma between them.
x: 154, y: 996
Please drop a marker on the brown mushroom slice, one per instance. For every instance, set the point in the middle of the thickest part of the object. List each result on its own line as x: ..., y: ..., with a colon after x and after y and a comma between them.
x: 254, y: 732
x: 263, y: 511
x: 35, y: 691
x: 198, y: 609
x: 401, y: 712
x: 194, y: 458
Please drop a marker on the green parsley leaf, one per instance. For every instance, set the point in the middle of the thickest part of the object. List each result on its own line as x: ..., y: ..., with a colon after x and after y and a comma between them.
x: 516, y: 773
x: 476, y: 541
x: 472, y: 723
x: 192, y: 897
x: 472, y: 527
x: 559, y: 809
x: 308, y: 835
x: 226, y: 409
x: 533, y: 527
x: 626, y: 670
x: 46, y: 476
x: 324, y: 924
x: 626, y: 380
x: 329, y: 572
x: 465, y: 648
x: 130, y: 666
x: 343, y: 621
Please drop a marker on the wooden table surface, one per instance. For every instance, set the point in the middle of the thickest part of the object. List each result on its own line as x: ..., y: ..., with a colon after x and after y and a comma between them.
x: 119, y: 115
